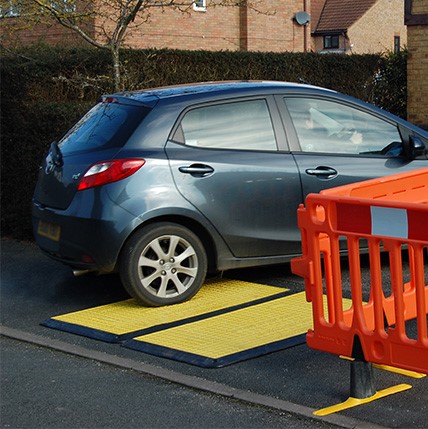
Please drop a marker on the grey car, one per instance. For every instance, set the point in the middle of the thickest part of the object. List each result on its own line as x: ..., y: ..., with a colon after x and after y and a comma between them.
x: 166, y: 185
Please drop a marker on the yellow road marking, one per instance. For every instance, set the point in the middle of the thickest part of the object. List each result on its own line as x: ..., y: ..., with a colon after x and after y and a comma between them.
x: 354, y: 402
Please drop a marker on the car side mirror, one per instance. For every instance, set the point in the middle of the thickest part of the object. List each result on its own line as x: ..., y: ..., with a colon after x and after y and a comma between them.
x: 415, y: 147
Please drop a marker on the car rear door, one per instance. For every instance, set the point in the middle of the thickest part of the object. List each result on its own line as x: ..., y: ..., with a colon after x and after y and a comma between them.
x: 228, y: 160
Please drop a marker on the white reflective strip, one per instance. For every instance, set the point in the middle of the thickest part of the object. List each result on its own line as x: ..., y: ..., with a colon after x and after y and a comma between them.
x: 389, y: 222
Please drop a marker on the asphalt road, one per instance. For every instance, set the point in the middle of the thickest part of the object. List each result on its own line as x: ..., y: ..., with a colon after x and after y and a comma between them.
x: 52, y: 379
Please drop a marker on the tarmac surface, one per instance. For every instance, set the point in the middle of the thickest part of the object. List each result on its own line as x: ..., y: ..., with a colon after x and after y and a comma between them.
x: 53, y: 379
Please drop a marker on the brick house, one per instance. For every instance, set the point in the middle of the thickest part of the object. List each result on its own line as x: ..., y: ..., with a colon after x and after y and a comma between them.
x: 294, y: 25
x: 364, y: 26
x: 416, y: 18
x: 201, y: 26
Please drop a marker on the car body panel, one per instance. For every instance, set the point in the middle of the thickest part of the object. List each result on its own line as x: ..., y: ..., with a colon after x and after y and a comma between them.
x: 253, y: 207
x: 86, y: 239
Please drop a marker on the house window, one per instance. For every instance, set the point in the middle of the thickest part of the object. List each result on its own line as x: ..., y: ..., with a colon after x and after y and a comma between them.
x: 200, y: 5
x: 396, y: 44
x: 331, y: 42
x: 9, y: 8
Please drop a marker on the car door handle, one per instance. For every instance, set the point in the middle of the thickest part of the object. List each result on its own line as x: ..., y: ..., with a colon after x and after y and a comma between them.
x: 198, y: 170
x: 322, y: 171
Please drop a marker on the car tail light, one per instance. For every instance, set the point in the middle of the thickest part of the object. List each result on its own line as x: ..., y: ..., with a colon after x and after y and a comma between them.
x: 105, y: 172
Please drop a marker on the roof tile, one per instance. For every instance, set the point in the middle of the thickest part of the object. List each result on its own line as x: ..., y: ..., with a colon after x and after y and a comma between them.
x: 339, y: 15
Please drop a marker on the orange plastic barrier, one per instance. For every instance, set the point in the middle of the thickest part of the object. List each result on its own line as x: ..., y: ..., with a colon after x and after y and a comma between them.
x: 389, y: 216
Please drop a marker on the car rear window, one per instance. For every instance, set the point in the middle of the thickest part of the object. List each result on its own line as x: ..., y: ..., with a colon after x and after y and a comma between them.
x: 106, y: 125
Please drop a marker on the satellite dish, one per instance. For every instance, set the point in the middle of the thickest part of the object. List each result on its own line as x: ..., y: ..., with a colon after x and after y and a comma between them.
x: 302, y: 18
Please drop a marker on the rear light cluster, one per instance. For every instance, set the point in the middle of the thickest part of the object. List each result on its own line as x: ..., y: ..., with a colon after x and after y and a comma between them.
x: 102, y: 173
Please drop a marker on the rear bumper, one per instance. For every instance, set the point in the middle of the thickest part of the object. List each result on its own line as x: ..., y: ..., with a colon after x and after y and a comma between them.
x: 92, y: 244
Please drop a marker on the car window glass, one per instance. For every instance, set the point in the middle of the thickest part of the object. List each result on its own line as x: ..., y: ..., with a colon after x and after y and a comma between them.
x: 239, y: 125
x: 326, y: 126
x: 106, y: 125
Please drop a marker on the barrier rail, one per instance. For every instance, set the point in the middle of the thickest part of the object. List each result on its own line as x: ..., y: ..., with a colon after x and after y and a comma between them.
x: 390, y: 214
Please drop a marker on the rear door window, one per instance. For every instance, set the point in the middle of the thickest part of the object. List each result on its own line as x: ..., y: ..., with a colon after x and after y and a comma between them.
x: 244, y: 125
x: 107, y: 125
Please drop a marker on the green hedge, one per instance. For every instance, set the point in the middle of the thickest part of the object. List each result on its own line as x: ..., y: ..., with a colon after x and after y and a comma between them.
x: 44, y: 90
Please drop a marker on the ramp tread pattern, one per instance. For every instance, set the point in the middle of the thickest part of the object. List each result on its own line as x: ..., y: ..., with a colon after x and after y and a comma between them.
x: 232, y: 337
x: 122, y: 320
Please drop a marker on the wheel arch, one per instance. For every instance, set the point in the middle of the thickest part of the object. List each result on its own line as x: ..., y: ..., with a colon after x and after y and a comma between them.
x: 193, y: 225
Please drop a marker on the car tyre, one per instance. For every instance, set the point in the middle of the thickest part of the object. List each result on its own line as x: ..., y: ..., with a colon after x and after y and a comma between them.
x: 162, y: 264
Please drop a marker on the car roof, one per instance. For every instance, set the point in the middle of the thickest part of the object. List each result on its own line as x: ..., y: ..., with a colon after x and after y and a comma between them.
x: 221, y: 87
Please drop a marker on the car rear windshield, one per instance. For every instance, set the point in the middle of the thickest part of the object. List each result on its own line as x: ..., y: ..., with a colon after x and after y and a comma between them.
x: 106, y: 125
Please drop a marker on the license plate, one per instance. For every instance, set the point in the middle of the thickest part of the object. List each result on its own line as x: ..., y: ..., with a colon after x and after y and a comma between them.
x: 49, y: 230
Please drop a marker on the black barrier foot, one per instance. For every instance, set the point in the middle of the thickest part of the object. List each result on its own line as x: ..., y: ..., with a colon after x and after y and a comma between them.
x: 362, y: 379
